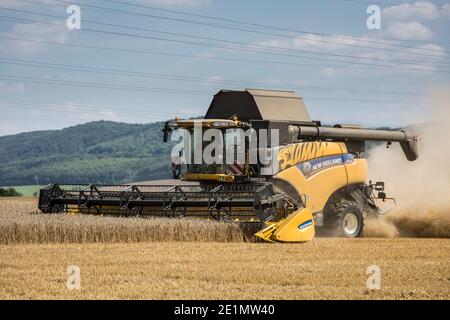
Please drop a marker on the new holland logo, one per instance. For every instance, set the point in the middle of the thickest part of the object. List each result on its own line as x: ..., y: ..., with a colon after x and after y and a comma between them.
x: 307, y: 167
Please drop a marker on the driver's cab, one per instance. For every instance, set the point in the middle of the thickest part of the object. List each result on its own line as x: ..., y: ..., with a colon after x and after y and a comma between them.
x: 212, y: 149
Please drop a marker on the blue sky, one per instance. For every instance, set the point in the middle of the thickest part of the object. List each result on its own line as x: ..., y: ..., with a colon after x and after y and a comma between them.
x: 321, y: 49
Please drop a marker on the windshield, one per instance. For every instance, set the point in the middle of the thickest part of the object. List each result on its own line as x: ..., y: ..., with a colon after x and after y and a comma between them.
x: 216, y: 151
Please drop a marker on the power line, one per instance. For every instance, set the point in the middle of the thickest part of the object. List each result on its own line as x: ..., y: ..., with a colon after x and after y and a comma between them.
x: 159, y: 90
x: 118, y: 11
x: 19, y: 117
x: 65, y: 107
x: 96, y: 85
x: 383, y: 3
x: 146, y: 89
x: 202, y: 57
x: 258, y: 25
x: 403, y: 67
x: 80, y: 110
x: 88, y: 109
x: 100, y: 111
x: 257, y: 46
x: 195, y: 79
x: 88, y: 115
x: 139, y: 112
x: 98, y: 115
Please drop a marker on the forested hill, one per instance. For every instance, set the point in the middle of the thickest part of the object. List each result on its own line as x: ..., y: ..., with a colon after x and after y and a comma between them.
x: 95, y: 152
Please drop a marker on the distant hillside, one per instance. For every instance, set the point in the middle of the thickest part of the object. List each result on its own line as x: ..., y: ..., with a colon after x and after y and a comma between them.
x: 95, y: 152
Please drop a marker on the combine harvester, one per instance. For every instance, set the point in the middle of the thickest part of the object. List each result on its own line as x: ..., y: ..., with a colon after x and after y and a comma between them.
x: 315, y: 176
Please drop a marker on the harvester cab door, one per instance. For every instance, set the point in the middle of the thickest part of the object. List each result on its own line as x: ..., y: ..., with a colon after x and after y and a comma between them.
x: 235, y: 151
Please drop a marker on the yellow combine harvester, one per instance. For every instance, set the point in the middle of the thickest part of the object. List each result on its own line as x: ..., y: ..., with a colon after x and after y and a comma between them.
x: 298, y: 177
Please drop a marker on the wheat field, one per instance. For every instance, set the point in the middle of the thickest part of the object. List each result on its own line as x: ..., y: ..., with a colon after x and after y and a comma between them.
x: 21, y: 222
x: 320, y: 269
x: 131, y: 258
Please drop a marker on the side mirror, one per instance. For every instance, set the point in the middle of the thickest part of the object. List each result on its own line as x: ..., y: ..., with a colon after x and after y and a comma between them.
x: 379, y: 186
x: 382, y: 195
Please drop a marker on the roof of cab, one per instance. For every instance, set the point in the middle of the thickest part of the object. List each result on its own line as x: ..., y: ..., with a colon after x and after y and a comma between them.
x: 258, y: 104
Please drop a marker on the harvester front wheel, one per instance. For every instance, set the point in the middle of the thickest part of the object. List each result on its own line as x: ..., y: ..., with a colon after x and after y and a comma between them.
x: 349, y: 220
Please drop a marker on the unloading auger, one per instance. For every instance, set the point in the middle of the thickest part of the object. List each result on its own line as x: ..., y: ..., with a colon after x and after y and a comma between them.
x: 304, y: 177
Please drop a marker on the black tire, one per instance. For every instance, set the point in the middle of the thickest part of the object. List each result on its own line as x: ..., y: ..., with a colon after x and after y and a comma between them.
x: 348, y: 220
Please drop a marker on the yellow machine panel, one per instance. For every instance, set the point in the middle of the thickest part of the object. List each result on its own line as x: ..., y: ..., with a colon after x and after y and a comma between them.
x: 357, y: 171
x: 297, y: 227
x: 317, y: 169
x: 318, y: 188
x: 299, y: 152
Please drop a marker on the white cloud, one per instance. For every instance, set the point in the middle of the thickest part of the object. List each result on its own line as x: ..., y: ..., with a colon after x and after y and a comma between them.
x: 17, y: 118
x: 363, y: 50
x: 446, y: 10
x: 270, y: 81
x: 328, y: 72
x: 34, y: 33
x: 185, y: 3
x: 23, y: 4
x: 409, y: 31
x: 300, y: 82
x: 420, y: 10
x: 84, y: 114
x: 14, y: 4
x: 215, y: 79
x: 36, y: 112
x: 437, y: 50
x: 205, y: 55
x: 12, y: 87
x: 310, y: 41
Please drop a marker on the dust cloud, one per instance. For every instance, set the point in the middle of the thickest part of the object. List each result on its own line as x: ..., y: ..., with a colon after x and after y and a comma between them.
x: 421, y: 188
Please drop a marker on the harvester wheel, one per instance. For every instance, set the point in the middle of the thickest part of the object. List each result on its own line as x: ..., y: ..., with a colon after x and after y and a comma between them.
x: 349, y: 219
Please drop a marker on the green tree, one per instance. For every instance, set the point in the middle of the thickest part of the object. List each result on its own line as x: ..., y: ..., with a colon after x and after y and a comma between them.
x: 9, y: 192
